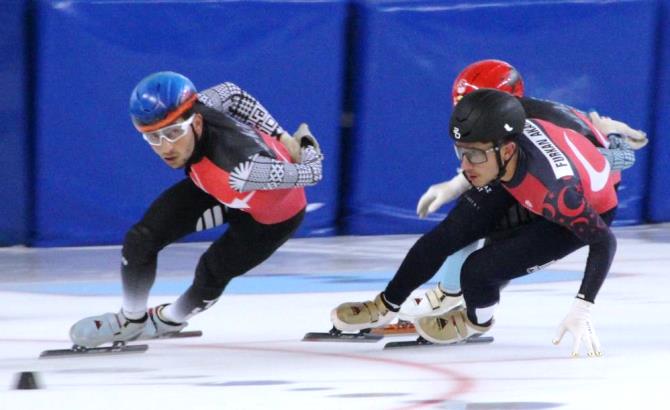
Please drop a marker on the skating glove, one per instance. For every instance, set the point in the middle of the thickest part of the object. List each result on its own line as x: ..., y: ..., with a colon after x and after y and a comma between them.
x: 635, y: 138
x: 439, y: 194
x: 578, y: 322
x: 292, y: 146
x: 305, y: 138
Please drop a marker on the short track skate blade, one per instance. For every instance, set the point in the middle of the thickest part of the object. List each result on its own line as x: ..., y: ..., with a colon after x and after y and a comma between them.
x: 335, y: 335
x: 116, y: 348
x: 421, y: 342
x: 402, y: 328
x: 78, y: 351
x: 179, y: 335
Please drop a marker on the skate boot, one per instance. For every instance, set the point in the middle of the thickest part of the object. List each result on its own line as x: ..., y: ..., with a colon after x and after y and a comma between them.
x: 436, y: 302
x: 107, y: 328
x: 355, y: 316
x: 451, y: 327
x: 157, y: 327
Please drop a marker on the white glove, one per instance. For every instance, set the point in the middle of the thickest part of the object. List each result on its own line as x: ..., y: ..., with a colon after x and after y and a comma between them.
x: 635, y: 138
x: 578, y: 322
x: 292, y: 146
x: 304, y: 137
x: 439, y: 194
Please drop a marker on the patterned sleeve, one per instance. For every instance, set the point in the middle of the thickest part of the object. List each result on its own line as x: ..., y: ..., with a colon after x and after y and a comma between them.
x: 568, y: 207
x: 234, y: 101
x: 263, y: 173
x: 619, y: 154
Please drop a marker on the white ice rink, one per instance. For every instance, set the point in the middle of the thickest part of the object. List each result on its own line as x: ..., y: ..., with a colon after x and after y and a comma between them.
x: 251, y: 355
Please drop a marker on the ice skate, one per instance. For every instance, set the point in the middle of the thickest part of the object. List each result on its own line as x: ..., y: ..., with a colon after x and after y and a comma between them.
x: 435, y: 302
x: 449, y: 328
x: 157, y: 327
x: 355, y: 316
x: 107, y: 328
x: 114, y: 330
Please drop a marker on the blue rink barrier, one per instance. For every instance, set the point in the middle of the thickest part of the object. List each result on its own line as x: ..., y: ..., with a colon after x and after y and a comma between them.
x: 659, y: 189
x: 15, y: 200
x: 586, y: 54
x: 95, y: 174
x: 75, y: 172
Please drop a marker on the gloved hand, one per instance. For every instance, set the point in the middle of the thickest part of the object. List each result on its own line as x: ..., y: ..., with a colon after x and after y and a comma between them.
x: 292, y: 146
x: 635, y: 138
x: 439, y: 194
x: 305, y: 138
x: 578, y: 322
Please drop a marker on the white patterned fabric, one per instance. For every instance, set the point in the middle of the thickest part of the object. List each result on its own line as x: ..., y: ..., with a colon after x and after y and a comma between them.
x: 264, y: 173
x: 240, y: 105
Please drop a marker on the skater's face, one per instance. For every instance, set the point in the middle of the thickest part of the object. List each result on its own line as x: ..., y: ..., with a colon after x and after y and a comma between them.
x: 176, y: 142
x: 478, y: 161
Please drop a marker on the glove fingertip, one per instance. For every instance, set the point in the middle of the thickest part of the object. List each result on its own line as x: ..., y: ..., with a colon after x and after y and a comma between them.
x: 433, y: 207
x: 421, y: 209
x: 575, y: 347
x: 559, y: 335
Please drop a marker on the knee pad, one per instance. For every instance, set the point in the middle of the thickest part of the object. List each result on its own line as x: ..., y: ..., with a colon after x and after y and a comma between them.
x: 139, y: 245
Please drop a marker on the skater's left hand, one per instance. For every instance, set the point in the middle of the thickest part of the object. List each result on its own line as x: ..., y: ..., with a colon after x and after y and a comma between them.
x: 636, y: 139
x: 305, y: 138
x: 439, y: 194
x: 292, y: 146
x: 578, y: 322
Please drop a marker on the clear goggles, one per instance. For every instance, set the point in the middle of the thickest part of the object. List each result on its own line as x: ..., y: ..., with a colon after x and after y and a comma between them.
x: 171, y: 133
x: 474, y: 155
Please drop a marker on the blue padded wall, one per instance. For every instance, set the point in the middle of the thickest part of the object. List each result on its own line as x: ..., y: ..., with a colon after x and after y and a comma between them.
x: 659, y: 190
x: 586, y: 54
x: 95, y: 175
x: 14, y: 172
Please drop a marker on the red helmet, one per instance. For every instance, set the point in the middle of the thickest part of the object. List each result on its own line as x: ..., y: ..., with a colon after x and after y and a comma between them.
x: 487, y: 74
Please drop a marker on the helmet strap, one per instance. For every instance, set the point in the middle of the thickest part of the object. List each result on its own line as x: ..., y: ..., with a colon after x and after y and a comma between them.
x: 195, y: 134
x: 502, y: 165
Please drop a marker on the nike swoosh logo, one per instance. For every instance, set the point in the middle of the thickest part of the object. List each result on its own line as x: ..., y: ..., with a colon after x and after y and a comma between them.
x: 598, y: 178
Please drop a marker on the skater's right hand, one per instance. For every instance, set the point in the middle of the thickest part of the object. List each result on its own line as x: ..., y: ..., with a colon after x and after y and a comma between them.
x: 305, y: 138
x: 578, y: 322
x: 292, y: 146
x: 439, y: 194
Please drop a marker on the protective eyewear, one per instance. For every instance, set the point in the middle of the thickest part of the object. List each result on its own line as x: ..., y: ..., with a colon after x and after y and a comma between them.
x: 171, y: 133
x: 474, y: 155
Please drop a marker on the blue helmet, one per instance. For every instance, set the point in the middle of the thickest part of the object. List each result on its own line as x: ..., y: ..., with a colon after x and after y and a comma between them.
x: 159, y: 99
